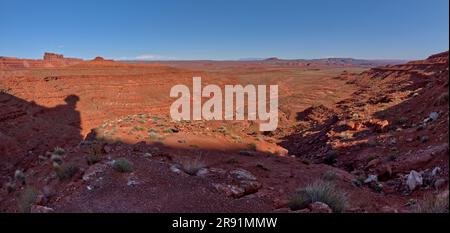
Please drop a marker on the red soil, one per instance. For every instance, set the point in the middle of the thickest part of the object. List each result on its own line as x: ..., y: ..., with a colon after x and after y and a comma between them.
x: 358, y: 124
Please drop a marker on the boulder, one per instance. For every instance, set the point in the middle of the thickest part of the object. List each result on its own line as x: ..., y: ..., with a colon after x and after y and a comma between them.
x: 41, y: 209
x: 319, y: 207
x: 241, y: 174
x: 230, y: 190
x: 414, y: 180
x: 93, y: 171
x: 202, y: 172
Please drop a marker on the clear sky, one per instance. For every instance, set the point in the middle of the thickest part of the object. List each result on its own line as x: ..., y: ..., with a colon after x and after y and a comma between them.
x: 221, y: 29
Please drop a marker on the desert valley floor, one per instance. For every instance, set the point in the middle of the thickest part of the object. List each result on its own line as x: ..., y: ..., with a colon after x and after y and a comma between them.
x: 96, y: 136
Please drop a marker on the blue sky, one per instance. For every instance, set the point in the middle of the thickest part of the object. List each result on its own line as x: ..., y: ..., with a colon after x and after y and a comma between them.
x: 220, y: 29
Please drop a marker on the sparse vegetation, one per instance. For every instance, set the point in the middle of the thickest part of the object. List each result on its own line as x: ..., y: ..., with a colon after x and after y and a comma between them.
x: 221, y: 129
x: 93, y: 159
x: 330, y: 157
x: 10, y: 187
x: 27, y: 198
x: 236, y: 138
x: 191, y: 166
x: 402, y: 120
x: 96, y: 152
x: 319, y: 191
x: 153, y: 136
x: 346, y: 135
x: 56, y: 159
x: 67, y: 171
x: 19, y: 176
x: 252, y: 146
x: 171, y: 130
x: 58, y: 151
x: 56, y: 155
x: 433, y: 204
x: 442, y: 99
x: 359, y: 181
x: 139, y: 128
x: 232, y: 161
x: 123, y: 165
x: 330, y: 176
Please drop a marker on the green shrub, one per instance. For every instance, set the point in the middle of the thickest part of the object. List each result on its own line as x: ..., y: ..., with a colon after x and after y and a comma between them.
x: 93, y: 158
x: 56, y: 159
x: 346, y: 135
x: 139, y: 128
x: 123, y: 165
x: 191, y: 166
x: 442, y: 99
x: 329, y: 176
x: 20, y: 176
x: 10, y: 186
x: 27, y: 198
x: 58, y: 151
x: 433, y: 204
x: 252, y: 146
x: 67, y: 171
x: 330, y: 157
x: 96, y: 152
x: 319, y: 192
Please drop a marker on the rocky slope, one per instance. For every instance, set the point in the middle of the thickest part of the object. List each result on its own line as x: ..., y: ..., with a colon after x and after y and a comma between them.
x: 112, y: 148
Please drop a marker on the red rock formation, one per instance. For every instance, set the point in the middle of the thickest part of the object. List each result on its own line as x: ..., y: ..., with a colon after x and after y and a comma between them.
x: 49, y: 60
x: 99, y: 58
x: 52, y: 56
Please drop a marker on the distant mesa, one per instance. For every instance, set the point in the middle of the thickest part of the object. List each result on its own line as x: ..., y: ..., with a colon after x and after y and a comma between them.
x: 52, y: 56
x: 272, y: 59
x: 60, y: 60
x: 98, y: 58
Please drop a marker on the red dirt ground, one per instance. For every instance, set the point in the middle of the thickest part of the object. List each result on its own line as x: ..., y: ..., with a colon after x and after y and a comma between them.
x: 335, y: 118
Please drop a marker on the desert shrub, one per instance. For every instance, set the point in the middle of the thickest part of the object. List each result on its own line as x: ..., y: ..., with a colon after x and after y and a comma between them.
x: 56, y: 159
x: 96, y: 152
x: 359, y: 181
x: 123, y: 165
x: 153, y: 136
x: 10, y: 186
x: 139, y: 128
x: 27, y: 198
x: 433, y: 204
x: 171, y: 130
x: 67, y: 171
x: 330, y: 157
x: 191, y: 166
x: 245, y: 153
x: 232, y: 161
x: 58, y: 151
x: 221, y: 129
x: 93, y: 158
x: 402, y: 120
x: 319, y: 192
x: 329, y: 176
x: 346, y: 135
x: 19, y: 176
x: 252, y: 146
x: 442, y: 99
